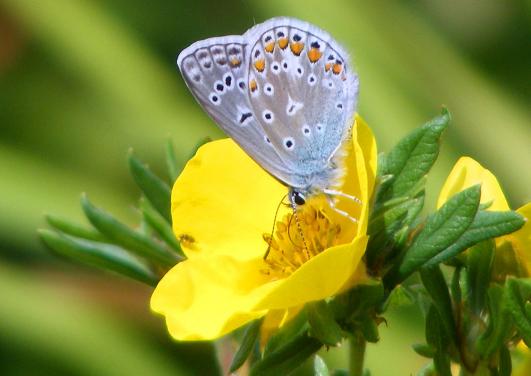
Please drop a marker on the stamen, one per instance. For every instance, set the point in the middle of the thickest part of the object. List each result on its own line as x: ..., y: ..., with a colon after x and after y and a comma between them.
x: 298, y: 237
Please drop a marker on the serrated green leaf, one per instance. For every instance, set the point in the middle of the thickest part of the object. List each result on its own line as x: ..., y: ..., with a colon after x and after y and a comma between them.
x: 287, y: 357
x: 480, y: 259
x: 125, y: 236
x: 435, y: 284
x: 70, y: 228
x: 486, y: 225
x: 161, y: 227
x: 516, y: 307
x: 424, y: 350
x: 442, y: 229
x: 171, y: 161
x: 319, y: 366
x: 412, y: 158
x: 155, y: 189
x: 323, y: 326
x: 101, y: 255
x: 247, y: 345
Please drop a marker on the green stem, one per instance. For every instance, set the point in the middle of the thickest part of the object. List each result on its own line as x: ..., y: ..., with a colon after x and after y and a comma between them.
x: 356, y: 354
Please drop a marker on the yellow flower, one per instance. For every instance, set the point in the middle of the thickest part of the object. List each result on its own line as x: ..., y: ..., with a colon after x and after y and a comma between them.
x: 223, y: 206
x: 468, y: 172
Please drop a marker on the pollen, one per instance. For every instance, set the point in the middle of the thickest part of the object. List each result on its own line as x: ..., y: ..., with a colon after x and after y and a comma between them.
x: 298, y: 238
x: 296, y: 48
x: 259, y: 65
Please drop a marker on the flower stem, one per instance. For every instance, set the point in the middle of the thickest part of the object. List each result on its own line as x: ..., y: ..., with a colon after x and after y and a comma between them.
x: 356, y: 354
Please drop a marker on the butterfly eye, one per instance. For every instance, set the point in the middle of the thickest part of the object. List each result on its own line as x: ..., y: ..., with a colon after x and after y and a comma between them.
x: 298, y: 198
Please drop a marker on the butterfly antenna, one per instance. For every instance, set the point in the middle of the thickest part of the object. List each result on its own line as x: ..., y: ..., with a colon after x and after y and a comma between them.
x: 300, y: 230
x: 273, y: 227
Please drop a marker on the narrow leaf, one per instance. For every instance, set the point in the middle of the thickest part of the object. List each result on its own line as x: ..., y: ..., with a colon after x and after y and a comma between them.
x: 74, y: 229
x: 424, y: 350
x: 247, y: 345
x: 433, y: 281
x: 413, y: 157
x: 155, y: 189
x: 479, y: 266
x: 171, y: 162
x: 486, y: 225
x: 159, y: 224
x: 442, y: 229
x: 505, y: 366
x: 499, y: 325
x: 293, y: 328
x: 516, y: 306
x: 121, y: 234
x: 101, y: 255
x: 322, y: 323
x: 287, y: 357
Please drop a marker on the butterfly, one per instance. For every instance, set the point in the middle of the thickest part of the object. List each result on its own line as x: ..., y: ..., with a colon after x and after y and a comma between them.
x: 286, y: 94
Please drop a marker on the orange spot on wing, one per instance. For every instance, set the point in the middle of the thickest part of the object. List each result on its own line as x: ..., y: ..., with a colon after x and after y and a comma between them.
x: 283, y: 43
x: 270, y: 47
x: 296, y: 48
x: 253, y: 85
x: 235, y: 62
x: 328, y: 66
x: 259, y: 65
x: 337, y: 68
x: 314, y: 54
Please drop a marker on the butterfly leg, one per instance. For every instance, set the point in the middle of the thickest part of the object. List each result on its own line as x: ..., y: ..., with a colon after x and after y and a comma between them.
x: 339, y: 211
x: 333, y: 192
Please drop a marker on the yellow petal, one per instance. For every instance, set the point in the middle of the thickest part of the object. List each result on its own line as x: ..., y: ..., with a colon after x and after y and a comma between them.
x: 521, y: 239
x: 367, y: 143
x: 206, y: 297
x: 468, y: 172
x: 324, y: 275
x: 223, y: 202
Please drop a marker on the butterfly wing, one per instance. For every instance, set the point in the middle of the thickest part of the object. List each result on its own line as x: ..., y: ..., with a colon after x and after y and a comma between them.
x: 215, y: 70
x: 305, y: 91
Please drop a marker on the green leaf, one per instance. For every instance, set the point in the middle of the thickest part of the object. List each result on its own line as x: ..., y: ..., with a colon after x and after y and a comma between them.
x: 433, y: 281
x: 121, y: 234
x: 442, y: 229
x: 319, y: 366
x: 101, y: 255
x: 499, y: 324
x: 505, y: 365
x: 159, y: 224
x: 436, y: 334
x: 74, y: 229
x: 369, y: 328
x: 323, y: 326
x: 412, y: 158
x: 155, y: 189
x: 293, y: 328
x: 398, y: 297
x: 247, y: 345
x: 287, y: 357
x: 171, y: 161
x: 479, y: 266
x: 486, y: 225
x: 424, y: 350
x: 516, y: 306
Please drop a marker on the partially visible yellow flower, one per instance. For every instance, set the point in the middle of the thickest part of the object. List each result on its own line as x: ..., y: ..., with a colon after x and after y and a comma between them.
x: 468, y: 172
x: 223, y: 205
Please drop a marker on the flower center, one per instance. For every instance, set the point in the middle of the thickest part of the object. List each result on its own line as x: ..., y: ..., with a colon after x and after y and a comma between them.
x: 298, y: 237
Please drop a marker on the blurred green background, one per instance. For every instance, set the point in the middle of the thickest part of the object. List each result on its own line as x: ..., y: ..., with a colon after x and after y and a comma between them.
x: 82, y: 81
